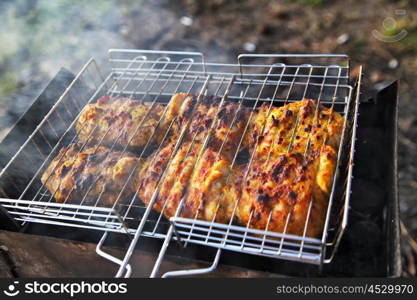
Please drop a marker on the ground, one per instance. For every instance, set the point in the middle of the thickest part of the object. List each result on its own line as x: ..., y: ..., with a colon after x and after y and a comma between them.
x: 39, y: 37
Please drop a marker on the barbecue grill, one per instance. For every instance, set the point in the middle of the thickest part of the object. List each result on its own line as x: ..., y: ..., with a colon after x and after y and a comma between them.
x: 154, y: 76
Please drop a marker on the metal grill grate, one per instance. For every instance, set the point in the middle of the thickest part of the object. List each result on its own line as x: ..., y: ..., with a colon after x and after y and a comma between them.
x: 153, y: 77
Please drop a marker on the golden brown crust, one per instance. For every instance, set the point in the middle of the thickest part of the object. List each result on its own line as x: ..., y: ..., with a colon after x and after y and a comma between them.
x: 227, y: 122
x: 282, y: 181
x: 132, y: 123
x: 205, y: 199
x: 286, y: 175
x: 271, y: 192
x: 284, y: 188
x: 122, y: 121
x: 173, y: 183
x: 291, y: 127
x: 77, y: 173
x: 199, y: 181
x: 284, y: 178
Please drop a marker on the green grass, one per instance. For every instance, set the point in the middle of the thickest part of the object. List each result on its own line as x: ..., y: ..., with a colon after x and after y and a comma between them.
x: 8, y: 83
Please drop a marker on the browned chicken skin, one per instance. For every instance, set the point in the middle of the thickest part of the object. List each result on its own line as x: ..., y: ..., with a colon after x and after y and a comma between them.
x: 122, y: 121
x: 196, y: 173
x: 290, y: 127
x: 86, y: 174
x: 225, y: 122
x: 292, y: 151
x: 169, y: 174
x: 284, y: 188
x: 285, y: 180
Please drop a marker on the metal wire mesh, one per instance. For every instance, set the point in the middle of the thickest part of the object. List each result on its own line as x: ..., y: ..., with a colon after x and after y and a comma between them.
x: 153, y: 77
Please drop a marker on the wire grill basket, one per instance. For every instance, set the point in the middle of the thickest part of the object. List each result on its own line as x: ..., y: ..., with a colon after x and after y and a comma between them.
x: 154, y: 76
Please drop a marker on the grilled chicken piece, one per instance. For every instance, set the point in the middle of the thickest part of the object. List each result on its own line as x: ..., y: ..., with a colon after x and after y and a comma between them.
x: 128, y: 122
x: 291, y: 127
x: 195, y: 174
x: 205, y: 199
x: 279, y: 185
x: 284, y: 188
x: 170, y: 173
x: 226, y: 122
x: 285, y: 175
x: 293, y: 164
x: 123, y: 121
x: 82, y: 175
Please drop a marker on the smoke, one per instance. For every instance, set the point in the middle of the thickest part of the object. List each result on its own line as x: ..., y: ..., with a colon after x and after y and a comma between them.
x: 39, y: 37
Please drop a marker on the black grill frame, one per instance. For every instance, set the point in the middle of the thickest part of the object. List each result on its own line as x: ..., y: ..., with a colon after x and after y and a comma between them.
x: 377, y: 133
